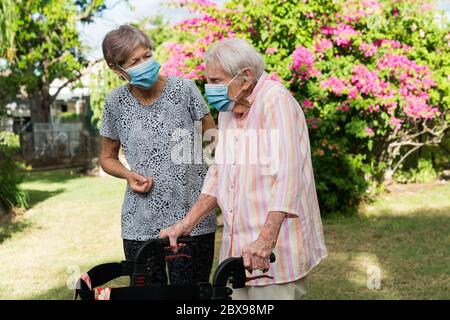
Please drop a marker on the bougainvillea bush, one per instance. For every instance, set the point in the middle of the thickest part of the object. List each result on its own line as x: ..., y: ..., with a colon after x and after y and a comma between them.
x: 372, y: 77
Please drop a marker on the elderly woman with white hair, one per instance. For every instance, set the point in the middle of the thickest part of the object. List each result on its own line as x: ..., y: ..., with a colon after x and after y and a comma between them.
x: 268, y: 205
x: 150, y: 117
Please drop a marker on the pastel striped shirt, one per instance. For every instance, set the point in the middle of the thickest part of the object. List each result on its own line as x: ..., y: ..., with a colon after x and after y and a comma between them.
x: 263, y: 164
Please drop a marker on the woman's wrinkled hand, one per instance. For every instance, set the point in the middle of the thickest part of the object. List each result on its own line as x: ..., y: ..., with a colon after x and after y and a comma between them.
x: 174, y: 232
x: 139, y: 183
x: 256, y: 256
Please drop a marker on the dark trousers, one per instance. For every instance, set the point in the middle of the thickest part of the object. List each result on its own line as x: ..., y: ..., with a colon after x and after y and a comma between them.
x: 182, y: 271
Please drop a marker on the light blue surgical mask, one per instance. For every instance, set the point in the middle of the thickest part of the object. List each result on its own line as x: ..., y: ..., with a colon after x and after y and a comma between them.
x: 217, y: 96
x: 145, y: 74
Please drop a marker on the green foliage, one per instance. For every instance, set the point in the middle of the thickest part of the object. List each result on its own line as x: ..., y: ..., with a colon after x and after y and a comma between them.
x: 11, y: 172
x: 340, y: 183
x: 8, y: 28
x: 102, y: 83
x: 440, y: 155
x: 69, y: 116
x: 424, y: 173
x: 157, y: 29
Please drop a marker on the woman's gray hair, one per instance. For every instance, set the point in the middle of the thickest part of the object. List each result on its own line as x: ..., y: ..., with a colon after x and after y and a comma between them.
x: 235, y: 54
x: 119, y: 43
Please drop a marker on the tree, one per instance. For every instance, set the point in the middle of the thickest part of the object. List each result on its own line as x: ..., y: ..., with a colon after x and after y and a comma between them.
x: 45, y: 47
x: 7, y: 29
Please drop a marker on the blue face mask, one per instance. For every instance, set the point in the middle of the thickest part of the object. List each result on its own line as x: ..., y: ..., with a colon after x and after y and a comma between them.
x: 145, y: 74
x: 217, y: 96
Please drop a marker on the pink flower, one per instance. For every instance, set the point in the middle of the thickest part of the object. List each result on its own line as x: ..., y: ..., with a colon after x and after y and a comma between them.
x: 303, y: 63
x: 365, y: 81
x: 368, y: 49
x: 426, y: 6
x: 342, y: 33
x: 372, y: 108
x: 397, y: 123
x: 308, y: 104
x: 271, y: 50
x: 327, y: 30
x: 343, y: 107
x: 414, y: 83
x: 352, y: 93
x: 275, y: 77
x: 417, y: 107
x: 354, y: 10
x: 369, y: 132
x: 335, y: 85
x: 322, y: 45
x: 394, y: 44
x: 194, y: 25
x: 313, y: 122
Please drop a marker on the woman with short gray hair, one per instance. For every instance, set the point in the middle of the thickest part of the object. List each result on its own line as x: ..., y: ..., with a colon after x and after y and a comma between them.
x: 147, y: 118
x: 235, y: 55
x: 268, y: 205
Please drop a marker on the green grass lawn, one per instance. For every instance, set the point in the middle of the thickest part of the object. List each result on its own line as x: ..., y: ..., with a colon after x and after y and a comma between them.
x: 74, y: 224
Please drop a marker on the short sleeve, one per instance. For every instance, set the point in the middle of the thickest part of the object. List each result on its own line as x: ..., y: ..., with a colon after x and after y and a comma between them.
x: 110, y: 125
x: 210, y: 182
x: 282, y: 116
x: 197, y: 105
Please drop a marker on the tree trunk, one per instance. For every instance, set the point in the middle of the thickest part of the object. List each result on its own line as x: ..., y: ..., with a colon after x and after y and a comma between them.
x: 3, y: 210
x: 40, y: 102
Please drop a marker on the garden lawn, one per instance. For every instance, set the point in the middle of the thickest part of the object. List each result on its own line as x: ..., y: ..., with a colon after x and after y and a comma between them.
x: 74, y: 224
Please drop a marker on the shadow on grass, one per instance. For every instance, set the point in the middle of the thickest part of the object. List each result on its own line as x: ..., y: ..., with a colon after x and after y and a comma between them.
x: 64, y: 293
x: 8, y: 227
x: 52, y: 176
x: 37, y: 196
x: 59, y: 293
x: 411, y: 252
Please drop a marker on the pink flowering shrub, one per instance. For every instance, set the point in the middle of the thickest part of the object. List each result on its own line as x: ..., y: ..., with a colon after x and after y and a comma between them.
x: 303, y: 64
x: 372, y: 77
x: 184, y: 54
x: 342, y: 34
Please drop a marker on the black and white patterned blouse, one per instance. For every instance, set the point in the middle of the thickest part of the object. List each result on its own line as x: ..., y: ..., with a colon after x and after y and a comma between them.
x: 160, y: 140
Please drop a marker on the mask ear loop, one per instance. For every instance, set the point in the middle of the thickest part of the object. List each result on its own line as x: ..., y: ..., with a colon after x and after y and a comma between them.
x: 229, y: 82
x: 123, y: 71
x: 237, y: 95
x: 121, y: 68
x: 232, y: 81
